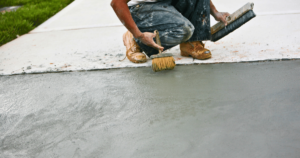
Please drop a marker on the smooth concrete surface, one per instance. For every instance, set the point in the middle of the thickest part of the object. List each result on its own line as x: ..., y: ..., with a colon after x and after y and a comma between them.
x: 98, y: 13
x: 85, y: 36
x: 82, y: 14
x: 102, y: 48
x: 261, y: 39
x: 217, y: 110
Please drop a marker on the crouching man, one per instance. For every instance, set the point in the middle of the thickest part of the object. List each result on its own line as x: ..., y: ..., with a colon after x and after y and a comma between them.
x: 184, y: 22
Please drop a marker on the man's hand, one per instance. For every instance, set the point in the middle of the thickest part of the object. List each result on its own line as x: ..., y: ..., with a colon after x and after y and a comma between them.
x: 147, y: 39
x: 221, y: 16
x: 121, y: 9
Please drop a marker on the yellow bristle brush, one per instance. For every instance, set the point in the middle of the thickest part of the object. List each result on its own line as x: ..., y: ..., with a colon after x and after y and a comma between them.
x: 162, y: 61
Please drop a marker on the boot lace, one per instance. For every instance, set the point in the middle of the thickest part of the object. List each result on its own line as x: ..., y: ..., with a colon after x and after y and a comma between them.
x: 132, y: 46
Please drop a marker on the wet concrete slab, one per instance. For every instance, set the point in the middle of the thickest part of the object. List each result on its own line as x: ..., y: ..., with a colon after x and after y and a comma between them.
x: 215, y: 110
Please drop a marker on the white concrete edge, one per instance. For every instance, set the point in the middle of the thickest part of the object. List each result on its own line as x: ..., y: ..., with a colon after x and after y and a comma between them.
x: 119, y: 24
x: 54, y: 70
x: 76, y: 28
x: 278, y: 13
x: 59, y: 14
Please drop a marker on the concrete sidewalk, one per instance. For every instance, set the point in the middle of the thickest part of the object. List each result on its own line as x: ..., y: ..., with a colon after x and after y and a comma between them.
x: 87, y: 35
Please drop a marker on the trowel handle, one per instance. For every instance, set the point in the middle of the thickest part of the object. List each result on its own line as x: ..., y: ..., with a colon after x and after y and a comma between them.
x: 157, y: 39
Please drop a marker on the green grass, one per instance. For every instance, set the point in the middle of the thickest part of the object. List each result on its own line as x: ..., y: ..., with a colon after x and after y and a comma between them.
x: 29, y: 16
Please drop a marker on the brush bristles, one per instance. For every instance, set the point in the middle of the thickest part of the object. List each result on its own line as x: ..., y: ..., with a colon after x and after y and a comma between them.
x: 165, y: 63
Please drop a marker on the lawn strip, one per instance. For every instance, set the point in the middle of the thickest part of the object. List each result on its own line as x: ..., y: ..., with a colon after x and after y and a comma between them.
x: 29, y: 16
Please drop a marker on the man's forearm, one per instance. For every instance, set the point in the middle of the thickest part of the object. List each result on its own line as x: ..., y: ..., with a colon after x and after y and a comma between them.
x: 121, y: 9
x: 219, y: 16
x: 213, y: 9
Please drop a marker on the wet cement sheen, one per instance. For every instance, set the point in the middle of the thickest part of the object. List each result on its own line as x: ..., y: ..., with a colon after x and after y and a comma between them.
x: 219, y: 110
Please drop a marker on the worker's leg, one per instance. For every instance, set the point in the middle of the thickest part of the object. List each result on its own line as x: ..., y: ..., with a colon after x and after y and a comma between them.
x: 162, y: 16
x: 198, y: 13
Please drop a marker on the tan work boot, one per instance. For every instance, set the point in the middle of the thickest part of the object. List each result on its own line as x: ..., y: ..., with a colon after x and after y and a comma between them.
x: 133, y: 52
x: 195, y: 49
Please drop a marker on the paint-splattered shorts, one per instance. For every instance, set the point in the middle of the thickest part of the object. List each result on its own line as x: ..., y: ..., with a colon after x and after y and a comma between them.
x: 176, y: 20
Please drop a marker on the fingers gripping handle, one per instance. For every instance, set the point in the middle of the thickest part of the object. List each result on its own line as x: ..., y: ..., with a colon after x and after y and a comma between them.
x: 157, y: 39
x: 228, y: 18
x: 231, y: 18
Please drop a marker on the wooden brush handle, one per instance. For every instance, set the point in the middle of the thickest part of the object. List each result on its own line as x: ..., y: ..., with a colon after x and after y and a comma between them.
x: 157, y: 40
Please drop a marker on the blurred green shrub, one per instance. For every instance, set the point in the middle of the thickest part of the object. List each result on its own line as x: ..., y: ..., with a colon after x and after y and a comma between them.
x: 29, y: 16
